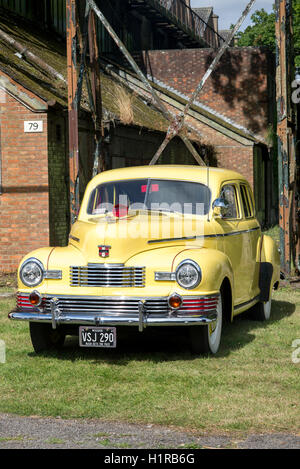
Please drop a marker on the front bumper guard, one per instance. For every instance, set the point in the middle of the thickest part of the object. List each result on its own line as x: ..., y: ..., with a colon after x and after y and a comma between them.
x: 56, y: 317
x: 92, y: 320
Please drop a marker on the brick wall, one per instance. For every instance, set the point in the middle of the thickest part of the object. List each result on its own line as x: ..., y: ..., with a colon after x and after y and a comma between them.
x: 239, y: 88
x: 24, y: 214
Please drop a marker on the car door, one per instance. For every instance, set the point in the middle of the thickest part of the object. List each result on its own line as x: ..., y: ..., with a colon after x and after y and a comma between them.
x: 236, y: 241
x: 253, y: 230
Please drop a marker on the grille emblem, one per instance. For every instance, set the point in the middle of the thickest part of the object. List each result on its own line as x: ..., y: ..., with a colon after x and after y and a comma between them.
x: 104, y: 251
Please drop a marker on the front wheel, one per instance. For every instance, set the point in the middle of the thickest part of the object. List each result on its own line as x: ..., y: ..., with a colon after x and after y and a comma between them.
x: 44, y: 338
x: 207, y: 339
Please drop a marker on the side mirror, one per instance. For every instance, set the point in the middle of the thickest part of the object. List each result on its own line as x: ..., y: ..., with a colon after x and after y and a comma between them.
x: 220, y: 207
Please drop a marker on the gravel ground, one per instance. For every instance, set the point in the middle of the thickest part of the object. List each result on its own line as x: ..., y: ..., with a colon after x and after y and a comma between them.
x: 45, y: 433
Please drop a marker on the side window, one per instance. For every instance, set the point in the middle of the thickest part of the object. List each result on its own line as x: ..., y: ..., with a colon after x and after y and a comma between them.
x: 246, y: 201
x: 228, y: 193
x: 251, y: 201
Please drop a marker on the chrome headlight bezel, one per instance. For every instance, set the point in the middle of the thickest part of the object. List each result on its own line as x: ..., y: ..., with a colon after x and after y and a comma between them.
x: 40, y: 268
x: 197, y: 270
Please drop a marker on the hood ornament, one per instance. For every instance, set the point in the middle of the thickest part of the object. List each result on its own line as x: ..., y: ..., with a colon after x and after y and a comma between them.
x: 104, y: 250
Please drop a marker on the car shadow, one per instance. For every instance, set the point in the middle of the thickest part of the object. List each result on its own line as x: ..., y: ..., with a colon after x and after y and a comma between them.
x: 240, y: 332
x: 168, y: 344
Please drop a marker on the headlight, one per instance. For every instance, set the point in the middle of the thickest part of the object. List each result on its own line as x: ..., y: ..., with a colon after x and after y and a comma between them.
x: 32, y: 272
x: 188, y: 274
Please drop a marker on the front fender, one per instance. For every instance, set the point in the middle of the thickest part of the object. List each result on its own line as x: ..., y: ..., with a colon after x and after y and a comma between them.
x: 214, y: 264
x: 58, y: 258
x: 42, y: 254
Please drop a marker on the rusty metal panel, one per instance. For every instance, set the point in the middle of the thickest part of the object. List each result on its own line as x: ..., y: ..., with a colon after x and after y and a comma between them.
x: 284, y: 72
x: 96, y: 93
x: 72, y: 108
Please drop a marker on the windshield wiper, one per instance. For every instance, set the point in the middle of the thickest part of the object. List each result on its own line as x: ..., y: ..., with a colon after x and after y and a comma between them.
x: 163, y: 210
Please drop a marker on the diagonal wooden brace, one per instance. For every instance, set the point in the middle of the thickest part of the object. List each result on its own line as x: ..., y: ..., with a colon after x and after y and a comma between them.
x: 138, y: 71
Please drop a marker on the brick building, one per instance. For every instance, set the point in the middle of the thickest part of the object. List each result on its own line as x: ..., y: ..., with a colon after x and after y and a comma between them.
x: 34, y: 178
x: 24, y: 158
x: 240, y: 92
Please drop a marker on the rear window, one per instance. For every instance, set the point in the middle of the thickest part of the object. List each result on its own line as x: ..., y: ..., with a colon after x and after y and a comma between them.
x: 246, y: 201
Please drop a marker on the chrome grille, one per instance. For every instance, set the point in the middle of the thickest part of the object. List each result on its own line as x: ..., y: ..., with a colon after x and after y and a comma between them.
x: 107, y: 306
x: 107, y: 275
x: 120, y: 306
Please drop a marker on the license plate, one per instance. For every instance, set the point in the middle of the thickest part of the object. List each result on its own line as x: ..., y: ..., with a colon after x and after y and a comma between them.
x: 105, y: 337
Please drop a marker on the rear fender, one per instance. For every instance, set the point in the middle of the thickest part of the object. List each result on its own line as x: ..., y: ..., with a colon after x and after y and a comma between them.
x: 269, y: 272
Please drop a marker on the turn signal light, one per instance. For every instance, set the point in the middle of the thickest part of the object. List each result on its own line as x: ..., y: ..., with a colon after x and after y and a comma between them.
x: 175, y: 301
x: 35, y: 298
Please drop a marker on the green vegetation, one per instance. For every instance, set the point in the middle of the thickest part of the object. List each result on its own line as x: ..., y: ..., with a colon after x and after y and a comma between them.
x: 252, y: 384
x: 262, y: 31
x: 274, y: 232
x: 296, y: 25
x: 4, y: 439
x: 8, y: 283
x: 55, y: 441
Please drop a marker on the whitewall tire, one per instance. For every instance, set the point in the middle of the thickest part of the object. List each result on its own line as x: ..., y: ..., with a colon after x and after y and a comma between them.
x: 207, y: 339
x: 262, y: 310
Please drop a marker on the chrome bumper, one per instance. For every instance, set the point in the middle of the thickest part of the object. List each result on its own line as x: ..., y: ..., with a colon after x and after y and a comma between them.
x: 112, y: 311
x: 93, y: 320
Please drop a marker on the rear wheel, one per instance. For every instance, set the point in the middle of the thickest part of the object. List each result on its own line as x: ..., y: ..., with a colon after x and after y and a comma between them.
x: 207, y: 339
x: 262, y: 310
x: 44, y: 338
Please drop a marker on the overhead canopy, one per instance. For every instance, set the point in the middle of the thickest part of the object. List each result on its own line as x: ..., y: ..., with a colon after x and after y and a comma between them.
x: 42, y: 84
x: 117, y: 92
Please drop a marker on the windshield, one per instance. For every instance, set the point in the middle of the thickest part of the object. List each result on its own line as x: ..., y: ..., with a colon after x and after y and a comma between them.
x: 152, y: 195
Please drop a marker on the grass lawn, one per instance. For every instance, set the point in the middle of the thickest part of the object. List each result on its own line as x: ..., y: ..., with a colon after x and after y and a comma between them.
x: 252, y: 384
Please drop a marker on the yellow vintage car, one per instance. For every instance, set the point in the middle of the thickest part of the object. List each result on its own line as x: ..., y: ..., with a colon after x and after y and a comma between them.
x: 152, y: 246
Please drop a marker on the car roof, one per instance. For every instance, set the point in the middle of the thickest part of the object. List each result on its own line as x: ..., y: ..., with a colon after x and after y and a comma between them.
x: 201, y: 174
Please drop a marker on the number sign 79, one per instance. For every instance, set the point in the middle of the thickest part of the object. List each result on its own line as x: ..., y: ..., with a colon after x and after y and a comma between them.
x: 33, y: 126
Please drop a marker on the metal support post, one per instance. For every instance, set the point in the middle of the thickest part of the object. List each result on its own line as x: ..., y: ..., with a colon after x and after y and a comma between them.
x: 72, y: 108
x: 96, y: 92
x: 285, y: 126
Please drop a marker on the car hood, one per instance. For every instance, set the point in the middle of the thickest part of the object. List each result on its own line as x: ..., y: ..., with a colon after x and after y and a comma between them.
x: 127, y: 237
